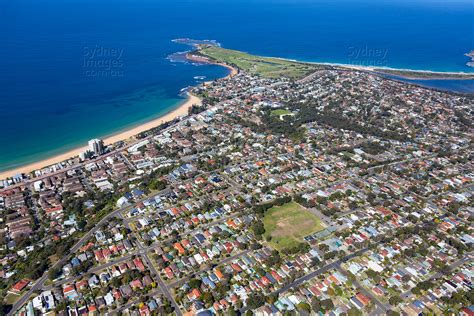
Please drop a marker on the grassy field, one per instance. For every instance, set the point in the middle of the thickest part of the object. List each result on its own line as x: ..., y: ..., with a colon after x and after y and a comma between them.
x: 275, y: 67
x: 11, y: 298
x: 53, y: 259
x: 288, y: 224
x: 266, y: 67
x: 280, y: 112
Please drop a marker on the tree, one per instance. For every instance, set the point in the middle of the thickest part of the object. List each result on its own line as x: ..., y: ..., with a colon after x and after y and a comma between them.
x: 406, y: 278
x: 373, y: 275
x: 195, y: 283
x: 272, y: 298
x: 116, y: 282
x: 323, y: 247
x: 395, y: 300
x: 327, y: 304
x: 303, y: 307
x: 256, y: 300
x: 416, y: 290
x: 354, y: 312
x: 330, y: 255
x: 273, y: 259
x: 258, y: 228
x: 54, y: 273
x: 315, y: 304
x: 338, y: 290
x: 260, y: 271
x: 207, y: 298
x: 81, y: 224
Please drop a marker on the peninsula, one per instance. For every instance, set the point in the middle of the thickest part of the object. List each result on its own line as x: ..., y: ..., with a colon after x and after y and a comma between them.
x: 274, y: 67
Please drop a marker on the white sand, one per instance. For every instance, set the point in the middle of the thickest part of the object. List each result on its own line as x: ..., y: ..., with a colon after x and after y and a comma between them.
x: 180, y: 111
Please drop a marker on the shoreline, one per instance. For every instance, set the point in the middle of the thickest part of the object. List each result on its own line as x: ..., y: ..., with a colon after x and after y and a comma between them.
x: 380, y: 70
x: 373, y: 68
x: 181, y: 110
x: 199, y: 59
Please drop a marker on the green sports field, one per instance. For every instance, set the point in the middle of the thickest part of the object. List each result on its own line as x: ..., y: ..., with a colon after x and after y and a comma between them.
x: 280, y: 112
x: 288, y: 224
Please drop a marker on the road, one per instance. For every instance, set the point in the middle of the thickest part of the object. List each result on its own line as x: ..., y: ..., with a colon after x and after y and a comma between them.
x: 130, y: 304
x: 169, y: 286
x: 310, y: 76
x: 181, y: 281
x: 91, y: 270
x: 314, y: 274
x: 40, y: 282
x: 138, y: 251
x: 467, y: 257
x: 38, y: 285
x: 156, y: 276
x: 162, y: 286
x: 381, y: 309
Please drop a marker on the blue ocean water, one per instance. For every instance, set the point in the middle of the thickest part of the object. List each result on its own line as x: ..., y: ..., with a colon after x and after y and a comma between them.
x: 451, y: 85
x: 461, y: 86
x: 71, y: 70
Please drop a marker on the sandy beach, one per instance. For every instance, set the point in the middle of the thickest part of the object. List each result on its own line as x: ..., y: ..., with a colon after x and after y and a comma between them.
x: 233, y: 71
x: 200, y: 59
x: 180, y: 111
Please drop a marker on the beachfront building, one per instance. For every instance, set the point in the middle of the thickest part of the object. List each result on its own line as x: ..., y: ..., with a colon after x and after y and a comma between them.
x: 96, y: 146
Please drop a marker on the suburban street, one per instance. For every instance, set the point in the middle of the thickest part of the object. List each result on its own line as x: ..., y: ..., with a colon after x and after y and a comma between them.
x: 466, y: 258
x: 38, y: 284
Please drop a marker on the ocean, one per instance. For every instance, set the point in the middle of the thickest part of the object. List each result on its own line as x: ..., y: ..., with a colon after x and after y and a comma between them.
x: 72, y: 70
